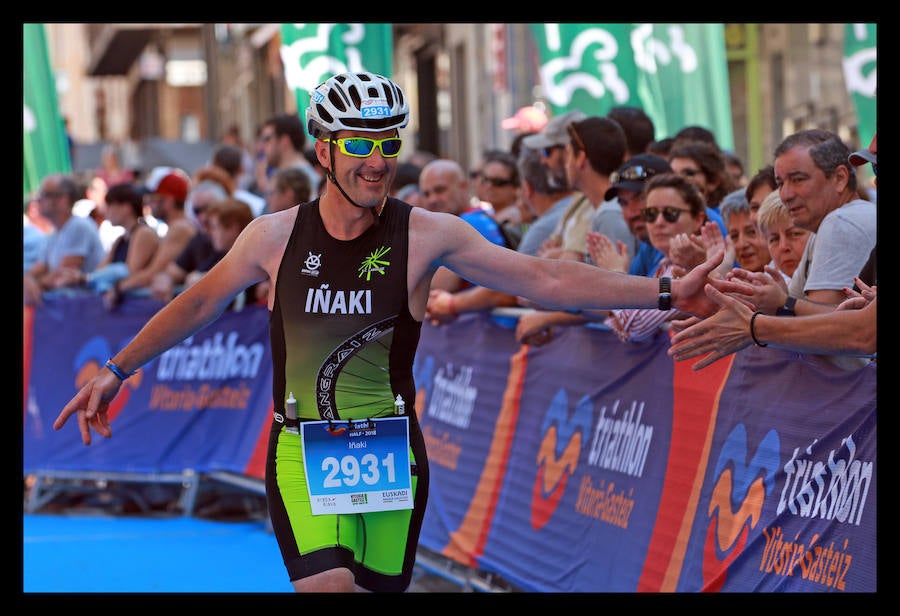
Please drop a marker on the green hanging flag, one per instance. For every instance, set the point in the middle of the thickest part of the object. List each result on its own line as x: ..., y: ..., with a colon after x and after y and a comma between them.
x: 311, y: 53
x: 676, y: 73
x: 45, y: 148
x: 860, y: 74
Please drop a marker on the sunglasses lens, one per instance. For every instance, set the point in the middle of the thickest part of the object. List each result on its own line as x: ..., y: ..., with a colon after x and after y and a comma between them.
x: 670, y: 214
x: 391, y: 147
x: 358, y: 146
x: 548, y: 151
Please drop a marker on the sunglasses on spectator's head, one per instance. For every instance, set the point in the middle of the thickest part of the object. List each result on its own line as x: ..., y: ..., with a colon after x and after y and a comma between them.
x: 497, y: 182
x: 638, y: 172
x: 361, y: 147
x: 548, y: 151
x: 669, y: 212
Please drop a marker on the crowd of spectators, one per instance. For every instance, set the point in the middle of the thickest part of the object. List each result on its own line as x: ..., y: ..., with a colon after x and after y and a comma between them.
x: 605, y: 190
x: 799, y: 236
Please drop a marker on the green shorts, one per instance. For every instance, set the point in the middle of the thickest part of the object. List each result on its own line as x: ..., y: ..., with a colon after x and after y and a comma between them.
x: 378, y: 547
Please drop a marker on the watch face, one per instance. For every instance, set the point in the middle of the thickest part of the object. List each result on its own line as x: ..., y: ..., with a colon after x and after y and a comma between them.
x: 665, y: 301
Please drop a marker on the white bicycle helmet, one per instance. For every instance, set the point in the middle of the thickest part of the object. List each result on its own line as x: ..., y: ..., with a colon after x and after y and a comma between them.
x: 356, y: 101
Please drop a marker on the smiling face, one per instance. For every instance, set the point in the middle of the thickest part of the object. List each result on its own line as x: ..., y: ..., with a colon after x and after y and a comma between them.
x: 661, y: 230
x: 750, y: 248
x: 367, y: 180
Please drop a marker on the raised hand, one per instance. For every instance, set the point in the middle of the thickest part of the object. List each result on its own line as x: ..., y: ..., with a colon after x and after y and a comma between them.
x: 687, y: 251
x: 606, y: 255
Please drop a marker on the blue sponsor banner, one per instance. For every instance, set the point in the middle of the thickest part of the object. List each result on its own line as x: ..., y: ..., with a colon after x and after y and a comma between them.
x: 200, y: 405
x: 606, y: 467
x: 463, y: 372
x: 789, y: 498
x: 586, y: 465
x: 589, y: 455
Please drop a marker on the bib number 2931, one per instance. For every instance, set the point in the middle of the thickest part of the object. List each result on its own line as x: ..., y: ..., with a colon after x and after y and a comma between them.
x: 357, y: 466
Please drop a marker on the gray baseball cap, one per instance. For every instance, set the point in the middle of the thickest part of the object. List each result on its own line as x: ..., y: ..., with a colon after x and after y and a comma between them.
x: 555, y: 132
x: 858, y: 158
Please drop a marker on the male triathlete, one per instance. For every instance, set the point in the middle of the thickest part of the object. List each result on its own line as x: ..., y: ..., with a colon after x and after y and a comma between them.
x: 352, y: 271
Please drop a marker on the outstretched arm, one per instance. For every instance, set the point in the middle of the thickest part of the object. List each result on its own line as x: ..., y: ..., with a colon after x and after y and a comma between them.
x: 556, y: 284
x: 849, y: 332
x: 184, y: 315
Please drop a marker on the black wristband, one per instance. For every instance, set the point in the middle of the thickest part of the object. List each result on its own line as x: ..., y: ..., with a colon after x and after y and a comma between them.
x: 788, y: 309
x: 753, y: 333
x: 665, y: 293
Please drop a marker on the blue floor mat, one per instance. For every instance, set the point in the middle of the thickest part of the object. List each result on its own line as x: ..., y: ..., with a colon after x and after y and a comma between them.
x: 104, y: 554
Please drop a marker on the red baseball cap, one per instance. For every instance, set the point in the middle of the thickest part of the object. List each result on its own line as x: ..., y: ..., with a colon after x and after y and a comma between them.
x: 173, y: 183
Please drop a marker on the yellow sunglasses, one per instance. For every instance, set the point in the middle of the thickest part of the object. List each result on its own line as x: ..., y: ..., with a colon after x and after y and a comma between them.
x: 361, y: 147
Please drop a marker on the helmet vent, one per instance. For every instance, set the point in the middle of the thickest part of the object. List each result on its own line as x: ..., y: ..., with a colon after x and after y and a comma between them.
x: 323, y: 113
x: 355, y: 97
x: 337, y: 100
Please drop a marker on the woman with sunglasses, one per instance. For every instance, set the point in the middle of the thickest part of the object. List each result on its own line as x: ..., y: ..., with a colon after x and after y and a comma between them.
x: 672, y: 206
x: 350, y: 272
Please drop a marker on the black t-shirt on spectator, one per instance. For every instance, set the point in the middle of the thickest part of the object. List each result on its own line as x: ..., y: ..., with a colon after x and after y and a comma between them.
x: 198, y: 249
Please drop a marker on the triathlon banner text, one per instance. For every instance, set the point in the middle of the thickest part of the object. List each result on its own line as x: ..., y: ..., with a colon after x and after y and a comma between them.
x: 586, y: 465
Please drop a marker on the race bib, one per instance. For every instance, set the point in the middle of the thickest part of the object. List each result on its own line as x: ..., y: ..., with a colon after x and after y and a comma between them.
x: 357, y: 466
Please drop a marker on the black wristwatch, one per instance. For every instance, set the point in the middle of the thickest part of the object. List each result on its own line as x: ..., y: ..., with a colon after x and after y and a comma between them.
x: 665, y: 293
x: 788, y: 309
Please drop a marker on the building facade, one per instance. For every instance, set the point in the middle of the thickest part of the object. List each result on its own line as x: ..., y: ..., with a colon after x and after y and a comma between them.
x: 143, y: 83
